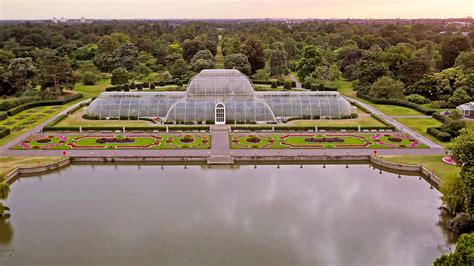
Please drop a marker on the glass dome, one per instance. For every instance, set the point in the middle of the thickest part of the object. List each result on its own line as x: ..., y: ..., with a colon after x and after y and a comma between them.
x: 229, y: 87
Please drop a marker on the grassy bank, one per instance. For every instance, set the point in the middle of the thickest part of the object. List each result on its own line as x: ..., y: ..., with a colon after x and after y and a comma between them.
x: 9, y: 163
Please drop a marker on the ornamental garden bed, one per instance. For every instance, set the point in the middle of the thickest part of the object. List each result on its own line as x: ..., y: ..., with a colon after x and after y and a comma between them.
x: 327, y: 140
x: 114, y: 141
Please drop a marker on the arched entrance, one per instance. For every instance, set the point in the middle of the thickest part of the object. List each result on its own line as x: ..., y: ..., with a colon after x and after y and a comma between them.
x: 220, y: 114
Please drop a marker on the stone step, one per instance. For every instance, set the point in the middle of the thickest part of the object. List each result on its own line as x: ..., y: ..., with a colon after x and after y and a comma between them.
x: 220, y: 159
x: 220, y: 128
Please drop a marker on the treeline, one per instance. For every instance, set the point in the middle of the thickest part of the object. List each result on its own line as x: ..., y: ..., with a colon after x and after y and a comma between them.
x: 427, y: 62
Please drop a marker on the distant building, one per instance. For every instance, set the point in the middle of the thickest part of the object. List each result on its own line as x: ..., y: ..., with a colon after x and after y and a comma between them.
x: 467, y: 109
x: 83, y: 20
x: 54, y: 20
x: 63, y: 20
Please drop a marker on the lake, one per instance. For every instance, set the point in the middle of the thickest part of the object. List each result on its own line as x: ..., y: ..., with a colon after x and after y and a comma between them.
x: 145, y: 215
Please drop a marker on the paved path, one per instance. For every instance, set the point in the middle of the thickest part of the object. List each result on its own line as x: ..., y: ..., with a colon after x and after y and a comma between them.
x: 220, y: 145
x: 397, y: 124
x: 411, y: 116
x: 299, y: 85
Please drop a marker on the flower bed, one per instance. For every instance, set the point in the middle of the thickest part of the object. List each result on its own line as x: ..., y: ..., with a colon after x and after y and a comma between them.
x: 327, y: 140
x: 112, y: 141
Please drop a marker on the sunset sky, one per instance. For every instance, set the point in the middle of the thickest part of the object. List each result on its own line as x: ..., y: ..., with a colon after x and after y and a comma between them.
x: 46, y: 9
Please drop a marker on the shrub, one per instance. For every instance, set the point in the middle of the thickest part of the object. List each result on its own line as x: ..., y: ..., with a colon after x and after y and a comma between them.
x: 441, y: 118
x: 3, y: 116
x: 274, y: 85
x: 4, y: 132
x: 287, y: 85
x: 89, y: 78
x: 418, y: 99
x: 162, y: 83
x: 293, y: 84
x: 139, y: 87
x: 313, y: 87
x: 8, y: 104
x: 438, y: 134
x: 26, y: 106
x: 152, y: 86
x: 307, y: 85
x: 145, y: 85
x: 179, y: 83
x: 398, y: 102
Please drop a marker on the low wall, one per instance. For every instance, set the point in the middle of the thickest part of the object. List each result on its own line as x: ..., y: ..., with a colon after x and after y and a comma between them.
x: 10, y: 177
x: 416, y: 169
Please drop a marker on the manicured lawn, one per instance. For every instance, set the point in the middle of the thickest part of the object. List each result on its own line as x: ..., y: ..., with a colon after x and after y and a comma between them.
x: 328, y: 140
x: 420, y: 125
x: 343, y: 87
x: 363, y: 119
x: 432, y: 162
x: 8, y: 164
x: 219, y: 56
x: 115, y: 141
x: 25, y: 120
x: 76, y: 120
x: 90, y: 91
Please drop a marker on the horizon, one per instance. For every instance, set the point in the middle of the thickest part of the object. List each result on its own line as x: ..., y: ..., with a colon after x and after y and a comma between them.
x: 234, y: 9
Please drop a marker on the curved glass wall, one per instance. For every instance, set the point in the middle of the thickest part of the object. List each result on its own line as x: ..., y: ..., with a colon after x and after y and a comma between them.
x: 210, y: 87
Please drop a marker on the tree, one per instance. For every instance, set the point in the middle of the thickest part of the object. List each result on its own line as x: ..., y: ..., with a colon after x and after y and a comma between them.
x: 414, y: 69
x: 126, y: 56
x: 451, y: 47
x: 462, y: 151
x: 107, y: 44
x: 278, y: 63
x: 190, y: 48
x: 89, y: 78
x: 465, y: 60
x: 239, y: 62
x: 463, y: 254
x: 459, y: 97
x: 120, y: 76
x: 202, y: 54
x: 55, y: 73
x: 386, y: 87
x: 180, y: 68
x: 201, y: 64
x: 22, y: 72
x: 311, y: 58
x: 367, y: 73
x: 254, y: 50
x: 453, y: 124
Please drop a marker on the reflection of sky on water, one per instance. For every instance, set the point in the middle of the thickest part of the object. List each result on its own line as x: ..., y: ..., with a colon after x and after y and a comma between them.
x: 139, y: 215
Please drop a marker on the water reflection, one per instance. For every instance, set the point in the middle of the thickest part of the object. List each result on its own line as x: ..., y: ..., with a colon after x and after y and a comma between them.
x: 234, y: 216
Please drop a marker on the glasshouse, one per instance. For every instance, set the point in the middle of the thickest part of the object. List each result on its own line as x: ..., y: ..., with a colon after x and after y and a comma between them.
x: 220, y: 97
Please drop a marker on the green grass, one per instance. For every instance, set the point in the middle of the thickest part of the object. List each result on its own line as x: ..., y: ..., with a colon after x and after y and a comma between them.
x: 432, y: 162
x: 288, y: 141
x: 364, y: 120
x: 219, y: 55
x: 9, y: 163
x: 90, y: 91
x: 28, y: 119
x: 420, y: 125
x: 89, y: 142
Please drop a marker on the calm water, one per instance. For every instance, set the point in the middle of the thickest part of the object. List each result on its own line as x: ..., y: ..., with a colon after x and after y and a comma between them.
x: 131, y: 215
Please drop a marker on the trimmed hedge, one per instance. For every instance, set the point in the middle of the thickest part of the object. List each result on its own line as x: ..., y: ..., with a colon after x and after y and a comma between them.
x: 160, y: 128
x: 4, y: 132
x: 26, y: 106
x: 419, y: 108
x: 305, y: 128
x: 438, y: 134
x: 3, y: 115
x: 441, y: 118
x: 262, y: 82
x: 8, y: 104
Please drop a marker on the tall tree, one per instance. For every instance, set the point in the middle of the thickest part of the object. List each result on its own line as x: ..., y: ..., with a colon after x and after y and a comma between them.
x: 311, y: 58
x: 55, y: 74
x: 255, y: 52
x: 239, y: 62
x: 451, y: 47
x: 278, y: 63
x: 22, y: 72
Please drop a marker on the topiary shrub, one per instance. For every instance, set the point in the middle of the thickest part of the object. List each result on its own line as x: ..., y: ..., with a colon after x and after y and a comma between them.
x: 418, y: 99
x: 287, y: 85
x: 145, y: 85
x: 438, y: 134
x: 152, y: 86
x: 89, y: 78
x: 274, y: 85
x: 313, y: 87
x: 293, y: 84
x: 162, y: 83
